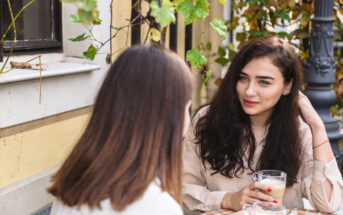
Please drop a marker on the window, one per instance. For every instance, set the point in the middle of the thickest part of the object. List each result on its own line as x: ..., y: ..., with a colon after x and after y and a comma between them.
x: 38, y: 26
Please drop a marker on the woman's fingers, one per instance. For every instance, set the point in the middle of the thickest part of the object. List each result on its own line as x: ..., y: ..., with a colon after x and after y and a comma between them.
x: 261, y: 196
x: 256, y: 193
x: 307, y: 111
x: 260, y: 186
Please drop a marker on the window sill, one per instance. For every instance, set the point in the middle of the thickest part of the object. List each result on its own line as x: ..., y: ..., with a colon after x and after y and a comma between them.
x: 53, y: 65
x: 68, y: 84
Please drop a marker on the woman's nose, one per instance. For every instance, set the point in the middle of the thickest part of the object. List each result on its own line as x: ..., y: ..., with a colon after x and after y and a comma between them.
x: 250, y: 90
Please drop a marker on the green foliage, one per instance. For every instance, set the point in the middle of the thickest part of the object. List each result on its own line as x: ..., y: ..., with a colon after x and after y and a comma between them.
x: 156, y: 34
x: 96, y: 21
x: 87, y: 12
x: 192, y: 11
x: 256, y: 1
x: 116, y: 28
x: 196, y: 58
x: 164, y: 15
x: 91, y: 52
x: 282, y: 14
x: 222, y: 2
x: 219, y: 26
x: 74, y: 18
x: 79, y: 38
x: 208, y: 46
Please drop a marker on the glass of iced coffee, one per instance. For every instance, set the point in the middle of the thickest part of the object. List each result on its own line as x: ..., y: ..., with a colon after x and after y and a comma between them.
x: 274, y: 179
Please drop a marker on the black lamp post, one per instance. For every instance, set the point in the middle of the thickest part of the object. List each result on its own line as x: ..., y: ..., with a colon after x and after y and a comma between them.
x: 320, y: 70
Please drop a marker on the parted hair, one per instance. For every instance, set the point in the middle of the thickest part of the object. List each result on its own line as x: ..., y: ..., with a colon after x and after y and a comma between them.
x: 134, y: 133
x: 224, y: 133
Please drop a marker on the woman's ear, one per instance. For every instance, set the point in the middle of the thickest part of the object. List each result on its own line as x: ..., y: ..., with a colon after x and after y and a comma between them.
x: 287, y: 88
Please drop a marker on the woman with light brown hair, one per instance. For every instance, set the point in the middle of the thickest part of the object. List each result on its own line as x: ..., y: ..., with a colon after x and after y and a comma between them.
x: 129, y: 159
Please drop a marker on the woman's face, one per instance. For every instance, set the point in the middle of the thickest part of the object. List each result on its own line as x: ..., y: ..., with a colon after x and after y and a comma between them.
x: 260, y: 86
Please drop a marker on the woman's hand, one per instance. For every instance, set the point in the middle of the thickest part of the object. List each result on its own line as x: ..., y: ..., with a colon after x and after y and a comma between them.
x: 308, y: 113
x: 247, y: 195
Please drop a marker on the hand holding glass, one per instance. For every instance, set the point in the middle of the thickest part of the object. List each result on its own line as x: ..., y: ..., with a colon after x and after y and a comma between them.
x: 274, y: 179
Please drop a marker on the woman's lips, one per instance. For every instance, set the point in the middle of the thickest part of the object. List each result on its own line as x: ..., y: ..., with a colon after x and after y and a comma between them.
x: 249, y: 103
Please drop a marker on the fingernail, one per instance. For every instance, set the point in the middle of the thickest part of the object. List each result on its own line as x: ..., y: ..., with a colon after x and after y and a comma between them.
x: 275, y: 201
x: 269, y: 190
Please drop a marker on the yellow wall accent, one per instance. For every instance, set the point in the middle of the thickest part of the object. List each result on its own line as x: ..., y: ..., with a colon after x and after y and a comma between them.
x: 121, y: 13
x: 28, y: 149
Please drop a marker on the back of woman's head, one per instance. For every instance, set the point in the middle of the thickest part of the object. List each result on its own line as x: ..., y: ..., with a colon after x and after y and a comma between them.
x: 227, y: 122
x: 134, y: 132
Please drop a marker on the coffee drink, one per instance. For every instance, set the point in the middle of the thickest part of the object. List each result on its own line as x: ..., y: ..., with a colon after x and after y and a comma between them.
x: 277, y: 186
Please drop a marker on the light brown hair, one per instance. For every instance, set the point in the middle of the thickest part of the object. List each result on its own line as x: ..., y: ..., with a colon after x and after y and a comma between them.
x: 134, y: 133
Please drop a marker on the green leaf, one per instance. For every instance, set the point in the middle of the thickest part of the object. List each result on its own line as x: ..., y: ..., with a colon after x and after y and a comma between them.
x: 116, y: 28
x: 222, y: 61
x: 86, y: 17
x: 282, y: 14
x: 257, y: 1
x: 208, y: 76
x: 196, y: 58
x: 222, y: 2
x: 191, y: 11
x: 156, y: 35
x: 253, y: 1
x: 231, y: 46
x: 88, y: 5
x: 219, y: 26
x: 257, y: 34
x: 285, y: 34
x: 208, y: 46
x: 221, y: 51
x: 164, y: 14
x: 232, y: 54
x: 74, y: 18
x: 79, y: 38
x: 96, y: 21
x: 91, y: 52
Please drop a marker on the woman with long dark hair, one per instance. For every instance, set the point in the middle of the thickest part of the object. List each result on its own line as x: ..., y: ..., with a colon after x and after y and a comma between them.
x: 259, y: 120
x: 129, y: 158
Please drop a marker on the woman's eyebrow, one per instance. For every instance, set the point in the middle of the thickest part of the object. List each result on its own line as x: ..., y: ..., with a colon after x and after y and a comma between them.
x: 265, y: 77
x: 259, y: 76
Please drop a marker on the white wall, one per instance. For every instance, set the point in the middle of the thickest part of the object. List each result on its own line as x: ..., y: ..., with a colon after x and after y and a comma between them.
x: 68, y: 83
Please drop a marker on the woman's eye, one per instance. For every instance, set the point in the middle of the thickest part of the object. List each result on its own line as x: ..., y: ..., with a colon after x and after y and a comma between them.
x: 265, y: 83
x: 242, y: 78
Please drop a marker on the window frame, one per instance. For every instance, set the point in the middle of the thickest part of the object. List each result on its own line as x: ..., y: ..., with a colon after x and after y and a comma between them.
x: 53, y: 44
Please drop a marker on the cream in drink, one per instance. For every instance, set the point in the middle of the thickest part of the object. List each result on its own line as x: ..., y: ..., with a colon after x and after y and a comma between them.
x: 277, y: 186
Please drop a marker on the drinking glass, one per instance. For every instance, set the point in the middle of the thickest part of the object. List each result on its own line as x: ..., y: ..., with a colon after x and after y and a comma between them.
x: 264, y: 208
x: 274, y: 179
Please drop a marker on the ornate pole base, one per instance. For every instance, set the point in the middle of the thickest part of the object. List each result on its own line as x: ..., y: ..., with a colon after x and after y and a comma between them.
x: 320, y: 70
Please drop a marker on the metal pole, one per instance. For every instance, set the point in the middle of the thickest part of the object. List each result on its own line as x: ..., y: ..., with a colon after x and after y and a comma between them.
x: 320, y: 69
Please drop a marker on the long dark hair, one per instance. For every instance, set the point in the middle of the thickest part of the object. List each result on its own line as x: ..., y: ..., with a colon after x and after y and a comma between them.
x: 134, y: 133
x: 224, y: 133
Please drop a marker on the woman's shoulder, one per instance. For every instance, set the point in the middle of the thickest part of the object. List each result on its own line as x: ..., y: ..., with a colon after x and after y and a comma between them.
x: 59, y: 208
x: 153, y: 202
x: 202, y: 111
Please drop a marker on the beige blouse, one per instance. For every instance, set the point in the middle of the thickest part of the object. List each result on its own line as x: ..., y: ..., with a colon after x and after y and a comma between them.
x: 204, y: 192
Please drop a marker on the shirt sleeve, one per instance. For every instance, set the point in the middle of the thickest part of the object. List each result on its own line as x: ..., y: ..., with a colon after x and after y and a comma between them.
x: 314, y: 174
x: 196, y: 195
